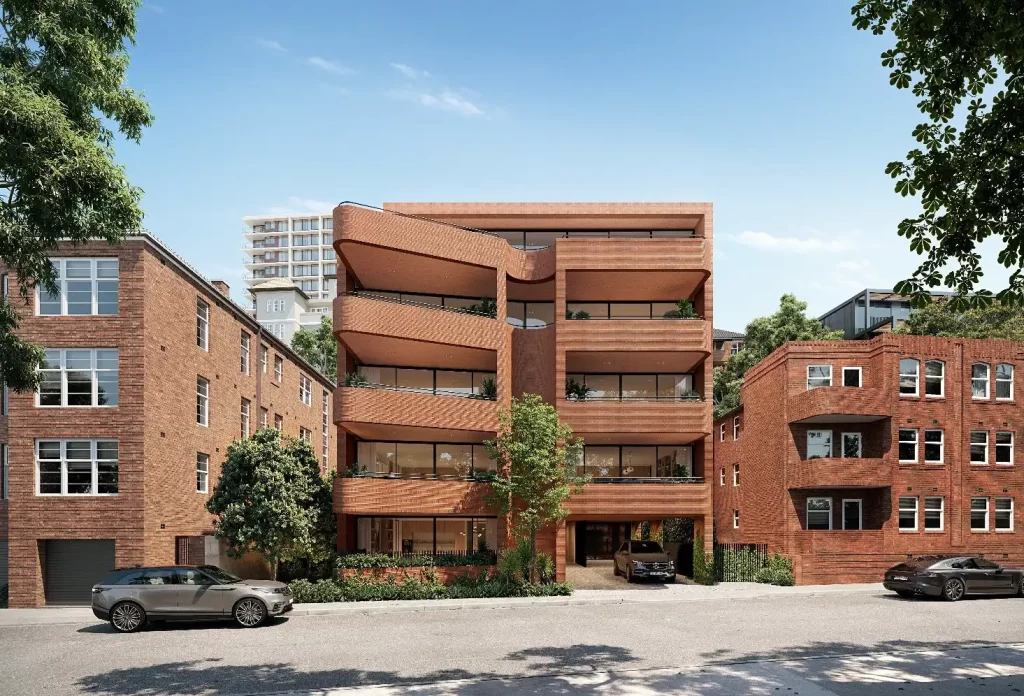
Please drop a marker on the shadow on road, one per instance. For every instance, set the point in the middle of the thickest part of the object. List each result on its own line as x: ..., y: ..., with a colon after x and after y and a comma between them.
x: 159, y: 626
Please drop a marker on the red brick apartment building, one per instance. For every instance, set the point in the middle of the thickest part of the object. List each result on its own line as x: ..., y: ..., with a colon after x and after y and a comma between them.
x: 581, y: 290
x: 855, y: 454
x: 150, y: 373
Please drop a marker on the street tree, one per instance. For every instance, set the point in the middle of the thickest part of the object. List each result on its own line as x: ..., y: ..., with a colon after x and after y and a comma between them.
x: 271, y: 499
x: 938, y: 318
x: 319, y: 348
x: 537, y: 457
x: 62, y: 91
x: 963, y: 61
x: 762, y: 336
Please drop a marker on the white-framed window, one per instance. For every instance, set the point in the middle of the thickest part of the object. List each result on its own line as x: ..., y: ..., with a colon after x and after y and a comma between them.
x: 852, y: 446
x: 305, y: 390
x: 263, y: 358
x: 979, y: 381
x: 735, y: 475
x: 979, y: 447
x: 819, y: 444
x: 276, y: 305
x: 908, y: 513
x: 264, y: 414
x: 325, y: 425
x: 78, y: 377
x: 305, y: 435
x: 934, y: 378
x: 852, y: 377
x: 934, y: 514
x: 5, y: 492
x: 909, y: 371
x: 76, y: 467
x: 721, y: 476
x: 736, y: 347
x: 1004, y: 382
x: 819, y: 376
x: 306, y: 255
x: 278, y: 368
x: 244, y: 353
x: 278, y: 423
x: 1003, y: 515
x: 853, y: 513
x: 819, y: 513
x: 86, y: 287
x: 735, y: 519
x: 979, y: 514
x: 202, y: 473
x: 736, y: 428
x: 934, y: 446
x: 908, y: 444
x: 244, y: 421
x: 202, y: 401
x: 202, y: 324
x: 721, y: 433
x: 1004, y: 447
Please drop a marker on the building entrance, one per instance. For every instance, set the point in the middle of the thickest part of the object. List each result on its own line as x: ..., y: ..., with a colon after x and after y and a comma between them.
x: 599, y: 540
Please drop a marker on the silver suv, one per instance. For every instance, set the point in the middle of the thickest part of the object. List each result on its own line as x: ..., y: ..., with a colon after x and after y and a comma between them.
x: 129, y: 597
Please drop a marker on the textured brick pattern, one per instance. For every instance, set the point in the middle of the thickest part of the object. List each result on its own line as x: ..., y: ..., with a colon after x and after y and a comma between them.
x: 772, y: 448
x: 533, y: 370
x: 688, y: 420
x: 366, y: 496
x: 641, y: 501
x: 688, y: 335
x: 384, y: 407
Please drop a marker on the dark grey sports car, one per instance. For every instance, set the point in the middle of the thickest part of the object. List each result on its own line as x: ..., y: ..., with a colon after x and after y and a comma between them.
x: 953, y: 578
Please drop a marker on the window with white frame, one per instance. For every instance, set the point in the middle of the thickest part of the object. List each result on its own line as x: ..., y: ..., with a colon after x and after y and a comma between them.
x: 305, y: 435
x: 909, y: 370
x: 278, y: 368
x: 202, y: 473
x: 4, y: 480
x: 934, y: 378
x: 306, y: 255
x: 76, y: 467
x: 1004, y: 382
x: 735, y: 475
x: 325, y: 426
x: 244, y: 353
x: 1003, y: 515
x: 736, y: 428
x: 263, y: 358
x: 305, y: 390
x: 908, y: 445
x: 979, y: 514
x: 78, y: 377
x: 736, y: 347
x: 276, y: 305
x: 979, y: 381
x: 908, y: 513
x: 819, y: 376
x: 852, y: 446
x: 721, y: 476
x: 244, y: 421
x: 819, y: 513
x: 735, y: 519
x: 934, y: 446
x: 202, y: 324
x: 1004, y: 448
x: 278, y: 423
x: 202, y: 401
x: 85, y: 287
x: 979, y: 447
x: 264, y: 414
x: 306, y: 269
x: 721, y: 433
x: 819, y: 444
x: 934, y: 514
x: 852, y: 377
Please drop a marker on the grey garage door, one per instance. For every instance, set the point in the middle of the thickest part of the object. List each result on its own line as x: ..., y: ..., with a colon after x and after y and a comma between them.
x: 3, y: 562
x: 73, y: 566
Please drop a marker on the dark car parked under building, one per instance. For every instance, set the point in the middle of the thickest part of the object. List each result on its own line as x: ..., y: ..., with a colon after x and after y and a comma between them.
x: 953, y: 578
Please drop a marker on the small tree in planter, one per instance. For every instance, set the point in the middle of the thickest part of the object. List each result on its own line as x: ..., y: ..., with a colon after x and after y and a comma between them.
x: 574, y: 391
x: 537, y: 455
x: 684, y: 310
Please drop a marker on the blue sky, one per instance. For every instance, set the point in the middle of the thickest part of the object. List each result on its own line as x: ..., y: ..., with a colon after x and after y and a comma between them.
x: 778, y: 113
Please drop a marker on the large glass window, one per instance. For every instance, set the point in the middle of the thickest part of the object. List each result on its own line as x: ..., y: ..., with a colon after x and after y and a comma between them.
x: 819, y: 444
x: 621, y: 310
x: 1004, y: 382
x: 934, y: 378
x: 85, y: 287
x: 530, y: 315
x: 453, y: 460
x: 637, y: 461
x: 664, y: 387
x: 448, y: 382
x: 641, y: 462
x: 415, y: 459
x: 979, y: 381
x: 79, y: 377
x: 908, y: 376
x: 426, y: 535
x: 601, y: 462
x: 819, y: 513
x: 76, y: 467
x: 908, y: 513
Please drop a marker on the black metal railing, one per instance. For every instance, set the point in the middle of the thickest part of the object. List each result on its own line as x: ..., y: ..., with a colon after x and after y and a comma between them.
x: 356, y: 471
x: 698, y: 398
x: 647, y: 479
x: 574, y: 318
x: 425, y: 390
x: 411, y: 303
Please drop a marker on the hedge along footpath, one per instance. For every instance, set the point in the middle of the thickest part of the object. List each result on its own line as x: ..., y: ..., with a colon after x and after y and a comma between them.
x: 424, y: 586
x: 383, y: 560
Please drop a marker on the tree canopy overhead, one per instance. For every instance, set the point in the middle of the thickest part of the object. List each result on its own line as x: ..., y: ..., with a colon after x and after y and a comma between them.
x: 62, y: 74
x: 319, y: 348
x: 939, y: 319
x: 963, y: 60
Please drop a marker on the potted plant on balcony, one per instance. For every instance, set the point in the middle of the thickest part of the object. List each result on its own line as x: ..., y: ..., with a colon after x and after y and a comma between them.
x: 356, y: 379
x: 690, y: 395
x: 684, y: 310
x: 579, y: 314
x: 486, y: 306
x: 575, y: 391
x: 489, y: 388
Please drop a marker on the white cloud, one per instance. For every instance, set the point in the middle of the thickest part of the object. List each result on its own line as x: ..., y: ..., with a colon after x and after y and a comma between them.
x: 447, y: 100
x: 409, y: 71
x: 331, y: 66
x: 301, y: 206
x: 273, y: 45
x: 793, y: 245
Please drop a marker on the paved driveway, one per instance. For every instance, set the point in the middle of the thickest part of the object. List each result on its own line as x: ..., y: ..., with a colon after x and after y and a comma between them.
x: 600, y: 575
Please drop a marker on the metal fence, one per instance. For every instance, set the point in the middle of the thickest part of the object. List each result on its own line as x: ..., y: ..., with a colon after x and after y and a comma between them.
x: 739, y: 562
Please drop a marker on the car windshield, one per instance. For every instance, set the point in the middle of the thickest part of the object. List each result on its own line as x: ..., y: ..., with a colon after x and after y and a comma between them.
x: 219, y: 575
x: 646, y: 547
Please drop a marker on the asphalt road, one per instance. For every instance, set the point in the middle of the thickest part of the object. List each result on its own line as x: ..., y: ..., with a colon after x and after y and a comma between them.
x: 488, y: 645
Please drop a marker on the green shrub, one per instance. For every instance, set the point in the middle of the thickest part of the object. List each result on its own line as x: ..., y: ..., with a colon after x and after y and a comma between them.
x: 778, y: 571
x: 355, y: 379
x: 383, y: 560
x: 514, y: 562
x: 684, y: 310
x: 3, y: 596
x: 703, y: 564
x: 545, y: 568
x: 736, y: 565
x: 357, y: 589
x: 489, y: 388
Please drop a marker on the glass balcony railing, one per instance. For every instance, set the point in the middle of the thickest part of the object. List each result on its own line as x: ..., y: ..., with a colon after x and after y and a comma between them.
x: 483, y: 307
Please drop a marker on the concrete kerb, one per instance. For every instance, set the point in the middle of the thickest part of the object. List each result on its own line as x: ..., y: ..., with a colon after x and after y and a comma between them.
x: 658, y: 594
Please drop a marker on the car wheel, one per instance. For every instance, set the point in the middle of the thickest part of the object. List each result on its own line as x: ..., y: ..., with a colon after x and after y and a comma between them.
x: 906, y: 594
x: 617, y: 572
x: 953, y: 590
x: 250, y: 612
x: 127, y: 617
x: 1020, y: 588
x: 629, y: 575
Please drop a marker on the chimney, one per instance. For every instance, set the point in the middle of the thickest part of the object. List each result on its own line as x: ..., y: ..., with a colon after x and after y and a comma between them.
x: 223, y: 287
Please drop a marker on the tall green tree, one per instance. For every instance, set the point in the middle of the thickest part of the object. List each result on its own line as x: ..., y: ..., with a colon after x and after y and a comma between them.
x: 963, y: 60
x: 537, y: 456
x: 271, y: 499
x: 319, y: 348
x: 62, y: 75
x: 938, y: 318
x: 763, y: 335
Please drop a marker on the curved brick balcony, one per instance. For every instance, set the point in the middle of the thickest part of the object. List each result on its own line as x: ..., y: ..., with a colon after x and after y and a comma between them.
x: 834, y: 472
x: 641, y: 500
x: 838, y: 405
x: 370, y: 496
x: 618, y: 335
x: 373, y: 412
x: 689, y: 420
x: 684, y: 254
